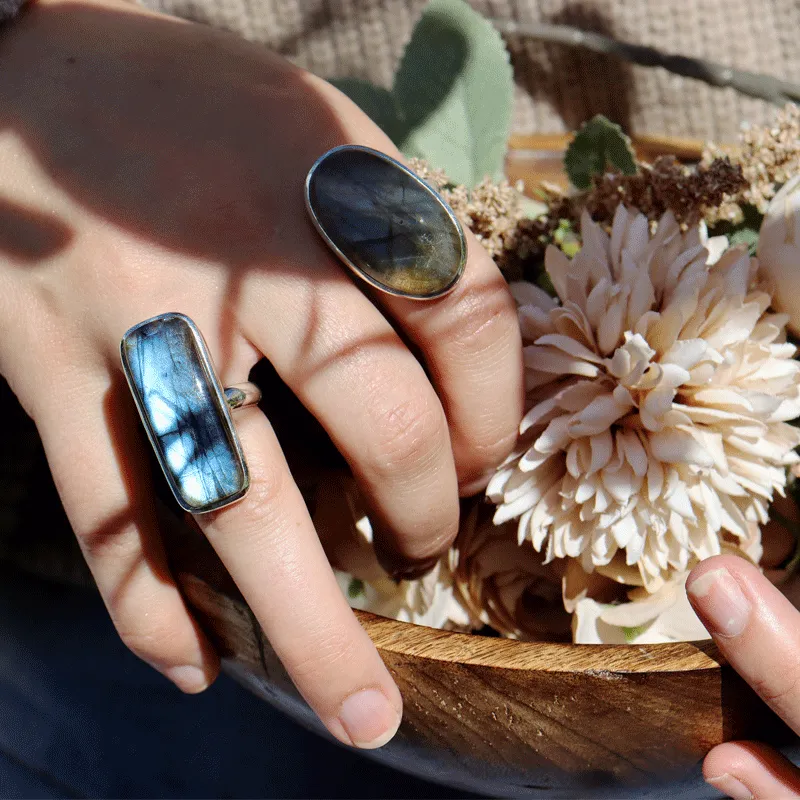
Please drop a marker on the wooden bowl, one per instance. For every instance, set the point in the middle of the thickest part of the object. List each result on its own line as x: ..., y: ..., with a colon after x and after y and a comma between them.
x: 505, y: 718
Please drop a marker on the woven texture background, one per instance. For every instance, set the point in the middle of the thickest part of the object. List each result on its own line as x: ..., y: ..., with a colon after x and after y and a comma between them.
x: 557, y: 86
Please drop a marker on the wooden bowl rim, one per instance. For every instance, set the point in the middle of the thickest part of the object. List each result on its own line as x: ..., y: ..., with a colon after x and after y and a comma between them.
x: 418, y: 641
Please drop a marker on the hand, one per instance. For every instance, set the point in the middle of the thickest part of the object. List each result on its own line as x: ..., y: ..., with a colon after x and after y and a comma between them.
x: 757, y: 629
x: 151, y: 165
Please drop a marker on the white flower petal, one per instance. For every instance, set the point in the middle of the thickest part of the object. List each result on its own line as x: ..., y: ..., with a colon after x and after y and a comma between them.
x: 678, y: 447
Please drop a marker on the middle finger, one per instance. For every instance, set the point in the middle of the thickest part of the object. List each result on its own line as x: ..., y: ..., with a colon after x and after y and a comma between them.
x: 347, y: 365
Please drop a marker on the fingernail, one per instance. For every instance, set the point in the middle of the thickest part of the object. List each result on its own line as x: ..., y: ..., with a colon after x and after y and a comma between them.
x: 369, y: 719
x: 188, y: 678
x: 720, y: 602
x: 731, y: 786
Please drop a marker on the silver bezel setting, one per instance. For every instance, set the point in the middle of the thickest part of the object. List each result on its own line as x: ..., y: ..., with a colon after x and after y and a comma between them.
x: 349, y: 264
x: 220, y: 402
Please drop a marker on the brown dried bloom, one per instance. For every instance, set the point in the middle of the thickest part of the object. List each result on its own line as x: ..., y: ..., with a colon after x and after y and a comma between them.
x: 666, y: 185
x: 768, y: 154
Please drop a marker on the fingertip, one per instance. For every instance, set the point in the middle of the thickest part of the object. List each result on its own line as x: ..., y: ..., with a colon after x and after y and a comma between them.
x: 191, y: 679
x: 732, y: 564
x: 747, y: 770
x: 469, y: 486
x: 401, y: 562
x: 368, y: 719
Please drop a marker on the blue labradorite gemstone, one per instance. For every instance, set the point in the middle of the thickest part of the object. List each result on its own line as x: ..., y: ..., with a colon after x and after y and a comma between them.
x: 385, y: 223
x: 184, y: 411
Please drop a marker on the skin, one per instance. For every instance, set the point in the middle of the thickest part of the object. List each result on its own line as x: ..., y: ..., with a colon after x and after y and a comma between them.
x: 151, y: 165
x: 758, y: 631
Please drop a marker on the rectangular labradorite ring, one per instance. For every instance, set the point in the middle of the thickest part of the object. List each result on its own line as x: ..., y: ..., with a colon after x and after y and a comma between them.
x: 185, y: 412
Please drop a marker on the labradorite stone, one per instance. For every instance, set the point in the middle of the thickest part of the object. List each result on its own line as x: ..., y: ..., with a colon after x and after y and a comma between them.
x: 183, y: 409
x: 386, y: 224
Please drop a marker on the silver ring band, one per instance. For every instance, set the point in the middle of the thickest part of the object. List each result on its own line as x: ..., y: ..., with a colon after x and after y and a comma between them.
x: 242, y: 395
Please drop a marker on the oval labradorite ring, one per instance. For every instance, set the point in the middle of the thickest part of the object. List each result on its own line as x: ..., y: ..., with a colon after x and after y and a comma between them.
x: 186, y: 412
x: 385, y: 223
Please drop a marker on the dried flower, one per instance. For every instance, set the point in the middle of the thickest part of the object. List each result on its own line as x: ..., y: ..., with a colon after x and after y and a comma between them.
x: 428, y: 601
x: 602, y: 616
x: 505, y: 585
x: 658, y: 393
x: 491, y: 210
x: 779, y: 250
x: 768, y: 154
x: 666, y: 185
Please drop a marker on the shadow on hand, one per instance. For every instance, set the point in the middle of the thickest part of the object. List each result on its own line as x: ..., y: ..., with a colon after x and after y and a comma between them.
x: 186, y: 136
x: 29, y: 235
x: 181, y: 135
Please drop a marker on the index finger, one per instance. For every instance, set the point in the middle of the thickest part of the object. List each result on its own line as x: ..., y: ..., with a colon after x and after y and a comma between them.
x: 755, y: 627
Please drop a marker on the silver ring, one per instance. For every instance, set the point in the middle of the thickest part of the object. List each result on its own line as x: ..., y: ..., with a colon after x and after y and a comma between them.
x: 186, y: 412
x: 385, y: 223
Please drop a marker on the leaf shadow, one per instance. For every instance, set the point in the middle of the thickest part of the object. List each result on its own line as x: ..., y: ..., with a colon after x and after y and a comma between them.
x: 597, y: 83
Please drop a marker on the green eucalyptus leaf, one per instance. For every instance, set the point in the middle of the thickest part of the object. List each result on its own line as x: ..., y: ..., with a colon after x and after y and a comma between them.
x: 376, y: 102
x: 454, y: 93
x: 598, y: 144
x: 743, y: 232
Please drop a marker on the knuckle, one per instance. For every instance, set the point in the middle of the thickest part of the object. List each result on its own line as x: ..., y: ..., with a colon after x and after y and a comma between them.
x: 486, y: 318
x: 408, y: 428
x: 151, y: 638
x: 331, y: 654
x: 778, y: 689
x: 267, y: 487
x: 109, y: 543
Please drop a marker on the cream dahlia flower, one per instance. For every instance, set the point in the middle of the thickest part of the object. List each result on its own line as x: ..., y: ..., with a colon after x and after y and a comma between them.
x: 658, y: 394
x: 664, y: 616
x: 505, y: 585
x: 608, y: 613
x: 346, y: 534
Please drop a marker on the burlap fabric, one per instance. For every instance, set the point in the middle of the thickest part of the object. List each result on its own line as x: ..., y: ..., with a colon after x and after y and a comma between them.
x: 557, y: 86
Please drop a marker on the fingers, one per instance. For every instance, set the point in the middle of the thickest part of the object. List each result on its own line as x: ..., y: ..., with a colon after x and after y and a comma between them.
x: 751, y: 771
x: 755, y: 627
x: 347, y: 365
x: 472, y: 346
x: 93, y: 445
x: 269, y: 546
